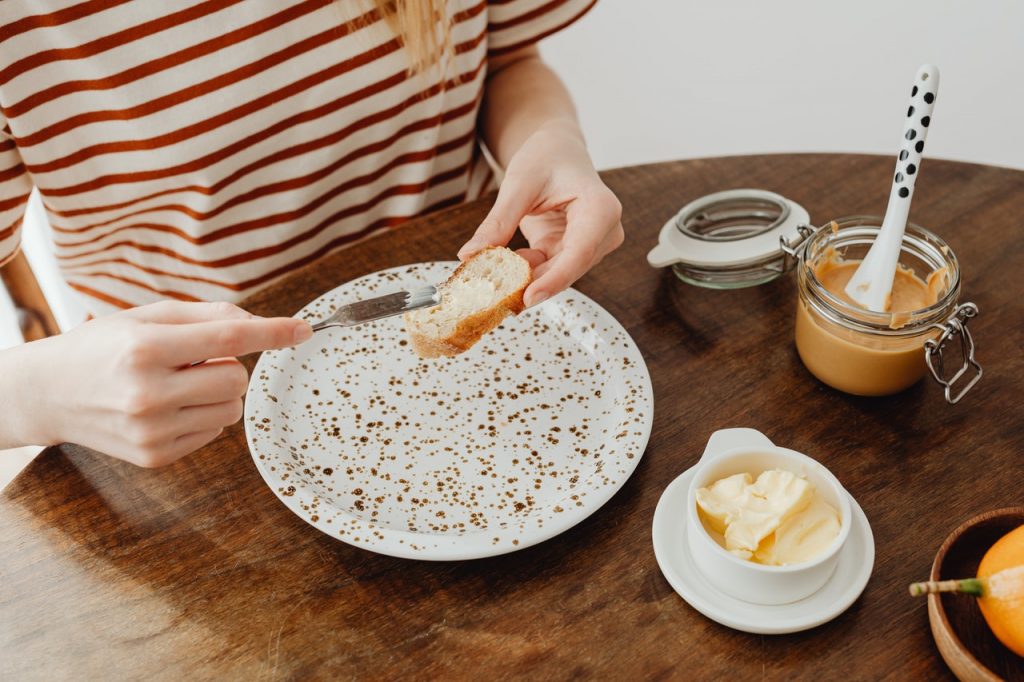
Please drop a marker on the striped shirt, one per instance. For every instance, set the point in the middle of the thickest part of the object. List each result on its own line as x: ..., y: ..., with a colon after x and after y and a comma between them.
x: 199, y: 149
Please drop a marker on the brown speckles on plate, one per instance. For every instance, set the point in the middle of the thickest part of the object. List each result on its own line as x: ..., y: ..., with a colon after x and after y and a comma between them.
x: 527, y: 433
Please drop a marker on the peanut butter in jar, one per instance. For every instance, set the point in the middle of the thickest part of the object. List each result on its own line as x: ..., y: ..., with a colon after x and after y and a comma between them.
x: 863, y: 352
x: 746, y: 237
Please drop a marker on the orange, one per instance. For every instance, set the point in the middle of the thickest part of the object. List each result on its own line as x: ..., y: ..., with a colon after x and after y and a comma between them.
x: 1005, y: 616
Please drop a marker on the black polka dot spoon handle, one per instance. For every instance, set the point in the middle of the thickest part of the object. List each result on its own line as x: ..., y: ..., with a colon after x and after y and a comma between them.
x: 872, y: 282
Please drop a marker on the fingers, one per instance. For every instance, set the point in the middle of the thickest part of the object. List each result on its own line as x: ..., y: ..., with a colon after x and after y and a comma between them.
x: 159, y: 453
x: 209, y: 417
x: 200, y: 426
x: 516, y: 196
x: 181, y: 312
x: 177, y: 435
x: 593, y: 229
x: 562, y: 271
x: 184, y: 344
x: 193, y: 441
x: 212, y: 382
x: 535, y: 257
x: 164, y: 439
x: 559, y: 273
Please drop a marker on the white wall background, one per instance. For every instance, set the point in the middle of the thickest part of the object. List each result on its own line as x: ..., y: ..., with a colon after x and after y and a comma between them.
x: 667, y: 79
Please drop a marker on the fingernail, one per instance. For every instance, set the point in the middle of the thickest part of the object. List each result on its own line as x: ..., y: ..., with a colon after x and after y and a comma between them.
x: 303, y: 332
x: 537, y: 299
x: 471, y: 247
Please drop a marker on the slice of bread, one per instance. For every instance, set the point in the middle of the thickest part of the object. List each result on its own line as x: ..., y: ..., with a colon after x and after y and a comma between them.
x: 474, y: 300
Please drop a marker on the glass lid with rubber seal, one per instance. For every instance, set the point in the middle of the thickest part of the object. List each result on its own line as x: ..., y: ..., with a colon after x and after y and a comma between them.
x: 732, y: 239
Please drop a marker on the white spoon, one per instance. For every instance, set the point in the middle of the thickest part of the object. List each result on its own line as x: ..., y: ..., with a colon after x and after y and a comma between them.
x: 872, y: 282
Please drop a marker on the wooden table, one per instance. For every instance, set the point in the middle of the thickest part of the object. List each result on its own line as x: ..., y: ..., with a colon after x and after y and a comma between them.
x: 197, y: 570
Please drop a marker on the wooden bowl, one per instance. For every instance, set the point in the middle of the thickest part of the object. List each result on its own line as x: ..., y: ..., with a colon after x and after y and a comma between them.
x: 968, y: 646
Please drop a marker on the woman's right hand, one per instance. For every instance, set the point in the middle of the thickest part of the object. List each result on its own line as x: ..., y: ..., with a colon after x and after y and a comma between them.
x: 126, y: 384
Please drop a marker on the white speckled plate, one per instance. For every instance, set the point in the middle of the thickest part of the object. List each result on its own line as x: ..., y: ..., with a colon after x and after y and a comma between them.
x: 507, y: 445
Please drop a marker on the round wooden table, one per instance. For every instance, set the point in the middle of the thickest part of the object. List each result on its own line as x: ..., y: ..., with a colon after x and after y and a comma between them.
x: 197, y: 570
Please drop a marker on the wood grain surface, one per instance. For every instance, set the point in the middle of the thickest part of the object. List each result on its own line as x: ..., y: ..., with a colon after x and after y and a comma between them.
x: 197, y: 571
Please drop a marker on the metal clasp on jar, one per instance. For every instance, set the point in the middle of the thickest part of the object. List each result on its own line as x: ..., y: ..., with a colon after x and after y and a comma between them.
x: 954, y: 327
x: 791, y: 248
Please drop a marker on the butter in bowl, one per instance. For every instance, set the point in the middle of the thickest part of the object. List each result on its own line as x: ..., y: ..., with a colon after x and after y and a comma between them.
x: 776, y: 520
x: 761, y: 538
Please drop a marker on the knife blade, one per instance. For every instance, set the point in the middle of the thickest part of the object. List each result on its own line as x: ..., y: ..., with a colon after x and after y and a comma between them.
x: 378, y: 308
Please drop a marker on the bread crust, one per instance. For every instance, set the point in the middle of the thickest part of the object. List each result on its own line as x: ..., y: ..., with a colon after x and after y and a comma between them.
x: 470, y: 329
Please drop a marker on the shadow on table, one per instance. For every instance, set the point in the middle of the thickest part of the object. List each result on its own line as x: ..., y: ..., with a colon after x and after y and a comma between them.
x: 214, y: 546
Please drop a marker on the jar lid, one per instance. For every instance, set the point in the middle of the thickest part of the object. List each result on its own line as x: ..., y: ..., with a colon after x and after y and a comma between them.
x: 731, y: 239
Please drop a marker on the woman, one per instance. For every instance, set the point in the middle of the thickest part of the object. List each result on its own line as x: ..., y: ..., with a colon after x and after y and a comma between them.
x: 193, y: 151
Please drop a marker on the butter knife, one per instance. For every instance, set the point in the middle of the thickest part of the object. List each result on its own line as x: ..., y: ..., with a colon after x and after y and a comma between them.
x: 380, y: 307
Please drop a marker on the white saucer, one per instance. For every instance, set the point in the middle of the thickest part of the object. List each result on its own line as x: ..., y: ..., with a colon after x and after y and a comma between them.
x: 671, y: 550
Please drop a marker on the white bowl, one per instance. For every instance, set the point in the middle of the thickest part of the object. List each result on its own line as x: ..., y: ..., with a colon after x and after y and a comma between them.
x: 734, y: 451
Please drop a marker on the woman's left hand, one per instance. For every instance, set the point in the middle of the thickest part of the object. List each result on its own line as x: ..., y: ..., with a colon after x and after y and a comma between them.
x: 553, y: 194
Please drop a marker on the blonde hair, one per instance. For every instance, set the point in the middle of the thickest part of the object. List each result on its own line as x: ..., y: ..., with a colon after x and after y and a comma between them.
x: 423, y: 27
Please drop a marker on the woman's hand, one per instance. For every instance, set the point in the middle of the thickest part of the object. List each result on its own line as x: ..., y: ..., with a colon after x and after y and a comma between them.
x: 553, y: 194
x: 125, y: 384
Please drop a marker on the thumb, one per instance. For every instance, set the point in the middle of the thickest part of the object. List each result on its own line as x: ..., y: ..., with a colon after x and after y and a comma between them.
x: 516, y: 197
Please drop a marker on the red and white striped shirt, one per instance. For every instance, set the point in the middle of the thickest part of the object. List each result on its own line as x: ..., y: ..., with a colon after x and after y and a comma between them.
x: 198, y: 149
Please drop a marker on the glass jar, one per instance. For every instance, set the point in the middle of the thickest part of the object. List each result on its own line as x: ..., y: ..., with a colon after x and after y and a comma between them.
x: 747, y: 237
x: 867, y: 353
